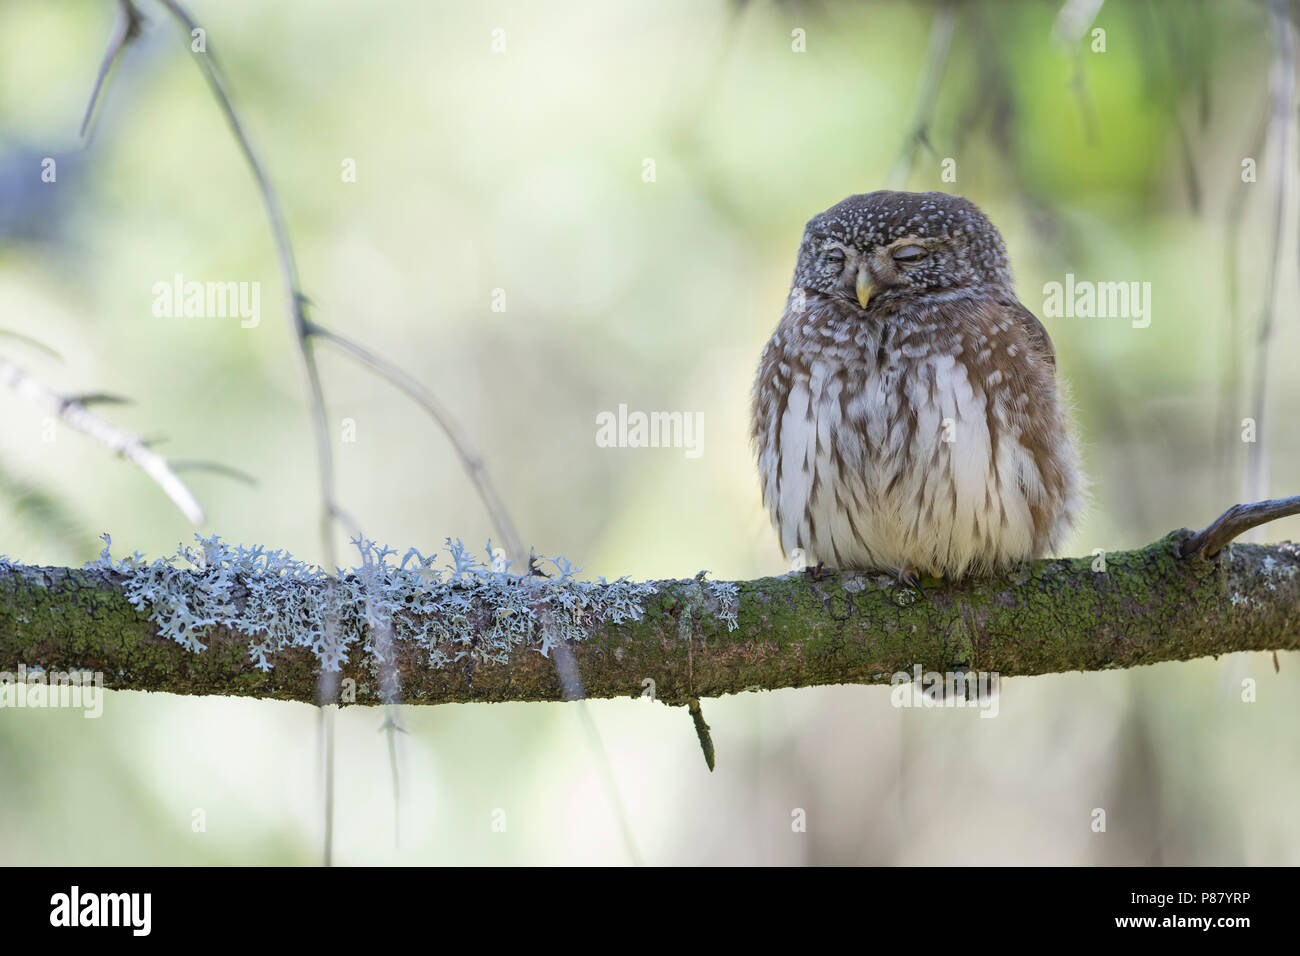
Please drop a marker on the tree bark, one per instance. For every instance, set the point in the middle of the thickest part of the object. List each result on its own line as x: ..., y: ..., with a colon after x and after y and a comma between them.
x: 1147, y: 606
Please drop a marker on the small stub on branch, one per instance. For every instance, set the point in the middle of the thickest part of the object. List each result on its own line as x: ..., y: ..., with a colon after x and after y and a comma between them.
x: 702, y: 731
x: 1237, y: 520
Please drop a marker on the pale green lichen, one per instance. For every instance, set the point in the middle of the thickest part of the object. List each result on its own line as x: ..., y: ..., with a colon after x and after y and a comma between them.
x: 717, y: 599
x: 1274, y: 572
x: 722, y: 599
x: 468, y: 610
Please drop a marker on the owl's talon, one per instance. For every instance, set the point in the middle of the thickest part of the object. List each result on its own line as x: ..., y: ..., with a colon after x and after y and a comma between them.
x: 910, y: 577
x: 815, y: 574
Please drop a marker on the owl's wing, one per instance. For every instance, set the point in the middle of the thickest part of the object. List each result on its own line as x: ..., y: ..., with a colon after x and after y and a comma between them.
x: 1038, y: 338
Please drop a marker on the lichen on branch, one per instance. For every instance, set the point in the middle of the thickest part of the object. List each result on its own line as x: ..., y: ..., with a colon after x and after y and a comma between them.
x: 268, y: 624
x: 475, y: 612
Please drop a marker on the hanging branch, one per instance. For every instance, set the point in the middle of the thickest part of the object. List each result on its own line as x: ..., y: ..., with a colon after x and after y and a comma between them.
x: 936, y: 60
x: 129, y: 21
x: 72, y: 411
x: 1282, y: 135
x: 305, y: 330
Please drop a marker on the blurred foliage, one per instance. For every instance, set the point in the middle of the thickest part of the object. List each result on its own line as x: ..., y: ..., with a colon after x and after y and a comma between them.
x: 522, y: 171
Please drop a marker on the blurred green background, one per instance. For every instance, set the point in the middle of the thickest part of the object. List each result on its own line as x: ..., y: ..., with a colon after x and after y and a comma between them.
x: 522, y: 171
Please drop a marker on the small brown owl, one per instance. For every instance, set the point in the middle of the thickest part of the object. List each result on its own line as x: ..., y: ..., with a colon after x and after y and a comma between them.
x: 906, y: 413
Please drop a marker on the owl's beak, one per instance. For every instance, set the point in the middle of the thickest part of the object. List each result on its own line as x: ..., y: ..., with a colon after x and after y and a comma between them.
x: 866, y: 285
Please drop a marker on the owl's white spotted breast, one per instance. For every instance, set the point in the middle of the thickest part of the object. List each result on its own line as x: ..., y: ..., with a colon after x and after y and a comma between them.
x: 936, y: 444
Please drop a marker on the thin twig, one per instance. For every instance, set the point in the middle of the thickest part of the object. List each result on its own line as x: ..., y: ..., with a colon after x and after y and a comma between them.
x: 186, y: 464
x: 75, y: 415
x: 304, y: 329
x: 129, y: 20
x: 391, y: 727
x: 996, y: 96
x: 566, y: 669
x: 931, y: 76
x: 1282, y: 133
x: 1229, y: 391
x: 1164, y: 60
x: 34, y: 343
x: 1235, y: 520
x: 596, y: 744
x: 465, y: 449
x: 1073, y: 21
x: 297, y: 302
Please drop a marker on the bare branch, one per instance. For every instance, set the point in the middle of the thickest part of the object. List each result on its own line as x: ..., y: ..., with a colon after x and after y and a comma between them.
x: 215, y: 468
x: 331, y: 509
x: 297, y: 300
x: 304, y: 329
x: 1229, y: 387
x: 931, y: 76
x: 1282, y: 135
x: 34, y: 343
x: 98, y: 398
x: 1147, y: 606
x: 1073, y: 21
x: 1235, y: 520
x: 465, y: 449
x: 74, y: 414
x: 129, y: 20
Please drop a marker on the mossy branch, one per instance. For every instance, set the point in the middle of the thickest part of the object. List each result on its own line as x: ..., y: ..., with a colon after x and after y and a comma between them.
x: 693, y: 638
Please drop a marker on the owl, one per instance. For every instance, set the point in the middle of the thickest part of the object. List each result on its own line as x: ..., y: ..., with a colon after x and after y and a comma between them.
x: 906, y: 414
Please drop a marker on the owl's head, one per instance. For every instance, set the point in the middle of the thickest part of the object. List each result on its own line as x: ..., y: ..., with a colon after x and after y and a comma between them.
x: 885, y: 245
